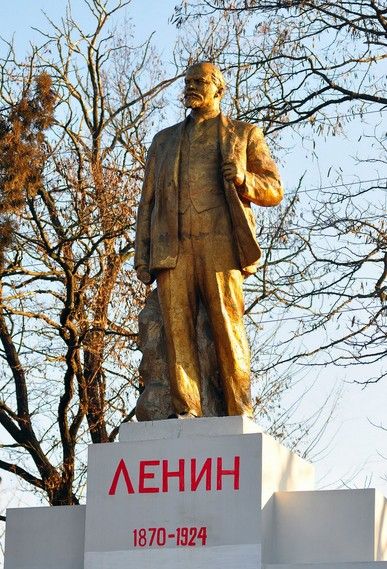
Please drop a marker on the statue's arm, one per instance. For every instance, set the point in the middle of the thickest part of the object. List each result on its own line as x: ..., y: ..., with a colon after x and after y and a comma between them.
x: 262, y: 184
x: 142, y: 247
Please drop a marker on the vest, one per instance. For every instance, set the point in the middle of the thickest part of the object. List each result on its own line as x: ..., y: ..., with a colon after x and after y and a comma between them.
x: 200, y: 180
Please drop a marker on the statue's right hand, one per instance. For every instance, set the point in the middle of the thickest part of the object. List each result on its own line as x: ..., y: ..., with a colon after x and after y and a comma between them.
x: 144, y: 275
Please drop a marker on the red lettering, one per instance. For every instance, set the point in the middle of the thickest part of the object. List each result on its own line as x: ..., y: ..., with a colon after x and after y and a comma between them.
x: 205, y: 471
x: 143, y: 475
x: 173, y: 474
x: 121, y: 469
x: 201, y: 475
x: 220, y: 472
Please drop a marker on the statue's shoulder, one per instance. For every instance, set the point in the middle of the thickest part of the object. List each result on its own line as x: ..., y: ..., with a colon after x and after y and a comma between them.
x: 167, y: 133
x: 242, y: 128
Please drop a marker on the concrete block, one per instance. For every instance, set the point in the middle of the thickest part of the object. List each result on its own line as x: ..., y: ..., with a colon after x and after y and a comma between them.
x: 221, y: 482
x: 330, y: 526
x: 348, y: 565
x: 380, y: 527
x: 45, y: 538
x: 177, y: 428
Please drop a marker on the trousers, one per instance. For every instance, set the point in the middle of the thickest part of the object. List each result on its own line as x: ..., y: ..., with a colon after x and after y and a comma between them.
x: 207, y: 269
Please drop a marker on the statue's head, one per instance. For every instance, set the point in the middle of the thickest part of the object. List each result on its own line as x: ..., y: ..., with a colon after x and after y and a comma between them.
x: 204, y: 86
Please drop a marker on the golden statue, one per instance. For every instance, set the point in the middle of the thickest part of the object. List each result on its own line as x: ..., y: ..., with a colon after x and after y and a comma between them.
x: 196, y: 236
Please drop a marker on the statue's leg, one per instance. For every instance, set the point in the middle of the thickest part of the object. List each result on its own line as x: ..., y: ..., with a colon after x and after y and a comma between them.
x: 220, y: 282
x: 178, y: 302
x: 224, y: 303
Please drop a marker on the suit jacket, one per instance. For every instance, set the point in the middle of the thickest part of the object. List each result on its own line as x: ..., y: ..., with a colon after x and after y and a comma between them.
x: 157, y: 244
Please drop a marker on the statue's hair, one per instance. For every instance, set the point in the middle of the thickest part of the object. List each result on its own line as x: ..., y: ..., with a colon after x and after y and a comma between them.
x: 216, y: 74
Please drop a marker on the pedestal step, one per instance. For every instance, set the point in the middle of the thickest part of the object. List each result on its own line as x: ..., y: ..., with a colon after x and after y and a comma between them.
x: 45, y: 538
x: 332, y: 565
x: 328, y: 526
x: 178, y: 428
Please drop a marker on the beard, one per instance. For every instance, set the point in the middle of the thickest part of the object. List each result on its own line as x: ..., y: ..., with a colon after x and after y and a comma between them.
x: 192, y: 100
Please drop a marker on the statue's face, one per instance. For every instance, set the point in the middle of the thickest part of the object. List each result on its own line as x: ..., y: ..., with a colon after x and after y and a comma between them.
x: 200, y: 90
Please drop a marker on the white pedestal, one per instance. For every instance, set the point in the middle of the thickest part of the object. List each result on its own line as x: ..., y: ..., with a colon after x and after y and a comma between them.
x: 186, y: 476
x: 45, y: 538
x: 176, y: 429
x: 352, y: 522
x: 185, y: 494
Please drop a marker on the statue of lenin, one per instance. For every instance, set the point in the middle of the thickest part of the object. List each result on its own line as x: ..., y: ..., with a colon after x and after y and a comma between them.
x: 196, y: 236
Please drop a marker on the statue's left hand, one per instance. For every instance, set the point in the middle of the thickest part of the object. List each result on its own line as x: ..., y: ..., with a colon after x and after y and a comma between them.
x: 232, y: 172
x: 144, y: 275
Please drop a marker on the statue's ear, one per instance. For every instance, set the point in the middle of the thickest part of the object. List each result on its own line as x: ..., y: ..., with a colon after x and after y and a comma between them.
x: 220, y: 92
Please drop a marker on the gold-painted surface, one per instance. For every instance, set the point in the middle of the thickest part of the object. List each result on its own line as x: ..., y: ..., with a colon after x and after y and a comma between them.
x: 155, y: 402
x: 196, y: 236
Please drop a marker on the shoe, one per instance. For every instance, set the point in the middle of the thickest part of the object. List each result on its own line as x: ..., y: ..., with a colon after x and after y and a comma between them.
x: 187, y: 415
x: 248, y: 416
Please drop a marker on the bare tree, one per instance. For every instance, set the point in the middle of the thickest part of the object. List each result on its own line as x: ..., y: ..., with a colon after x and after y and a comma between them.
x: 302, y: 58
x: 73, y: 140
x: 79, y: 115
x: 309, y: 68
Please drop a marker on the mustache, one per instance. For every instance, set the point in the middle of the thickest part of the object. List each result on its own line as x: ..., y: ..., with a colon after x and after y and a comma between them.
x: 189, y: 93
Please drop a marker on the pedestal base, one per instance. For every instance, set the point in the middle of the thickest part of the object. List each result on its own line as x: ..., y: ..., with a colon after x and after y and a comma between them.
x: 201, y: 493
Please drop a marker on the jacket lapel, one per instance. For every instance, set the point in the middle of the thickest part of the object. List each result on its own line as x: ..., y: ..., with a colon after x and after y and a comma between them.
x: 244, y: 231
x: 173, y: 154
x: 231, y: 145
x: 225, y: 136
